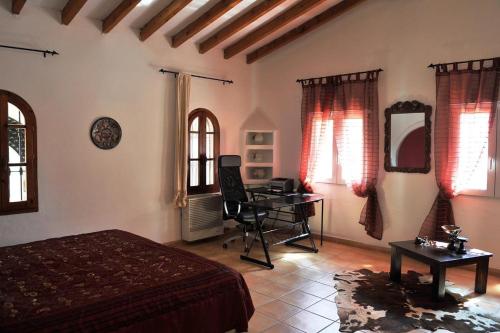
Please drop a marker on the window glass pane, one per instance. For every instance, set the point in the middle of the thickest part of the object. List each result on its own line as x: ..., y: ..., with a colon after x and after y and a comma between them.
x: 210, y: 146
x: 322, y: 143
x: 15, y: 115
x: 210, y: 172
x: 195, y: 125
x: 193, y: 145
x: 472, y: 171
x: 17, y: 145
x: 209, y: 126
x: 351, y: 151
x: 17, y: 184
x: 193, y: 173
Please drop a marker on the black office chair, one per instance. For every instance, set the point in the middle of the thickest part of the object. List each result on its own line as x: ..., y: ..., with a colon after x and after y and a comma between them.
x: 234, y: 197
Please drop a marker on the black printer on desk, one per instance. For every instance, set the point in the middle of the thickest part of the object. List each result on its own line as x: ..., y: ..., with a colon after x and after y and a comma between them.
x: 284, y: 185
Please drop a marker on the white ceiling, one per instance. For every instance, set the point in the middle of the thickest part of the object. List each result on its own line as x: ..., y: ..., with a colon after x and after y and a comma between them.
x: 99, y: 9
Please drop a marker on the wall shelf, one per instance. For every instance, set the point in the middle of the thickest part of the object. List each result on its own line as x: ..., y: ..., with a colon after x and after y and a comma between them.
x: 259, y: 156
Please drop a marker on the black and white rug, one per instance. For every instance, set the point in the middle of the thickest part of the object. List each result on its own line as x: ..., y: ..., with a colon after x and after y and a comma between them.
x: 369, y: 301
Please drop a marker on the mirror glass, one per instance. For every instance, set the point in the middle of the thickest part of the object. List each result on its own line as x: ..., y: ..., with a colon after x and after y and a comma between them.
x: 408, y: 137
x: 408, y: 140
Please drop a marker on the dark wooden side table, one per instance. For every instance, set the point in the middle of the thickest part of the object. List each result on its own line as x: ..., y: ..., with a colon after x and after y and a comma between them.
x: 438, y: 257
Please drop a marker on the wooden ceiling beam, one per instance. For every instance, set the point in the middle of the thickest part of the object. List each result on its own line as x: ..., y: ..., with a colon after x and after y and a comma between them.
x: 162, y: 17
x: 303, y: 29
x: 239, y: 23
x: 270, y: 26
x: 216, y: 11
x: 118, y: 14
x: 17, y: 6
x: 70, y: 10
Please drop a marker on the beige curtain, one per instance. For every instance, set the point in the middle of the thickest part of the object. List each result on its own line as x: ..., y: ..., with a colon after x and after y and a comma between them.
x: 181, y: 139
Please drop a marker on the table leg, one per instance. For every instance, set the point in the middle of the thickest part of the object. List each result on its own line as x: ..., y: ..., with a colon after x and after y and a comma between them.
x: 246, y: 257
x: 395, y: 274
x: 438, y: 282
x: 321, y: 235
x: 481, y: 276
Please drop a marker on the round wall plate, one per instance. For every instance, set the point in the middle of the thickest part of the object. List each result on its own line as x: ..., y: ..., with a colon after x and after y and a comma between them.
x: 106, y: 133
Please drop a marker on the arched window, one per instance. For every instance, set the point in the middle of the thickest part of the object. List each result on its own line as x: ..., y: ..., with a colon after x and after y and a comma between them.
x: 18, y: 186
x: 204, y: 139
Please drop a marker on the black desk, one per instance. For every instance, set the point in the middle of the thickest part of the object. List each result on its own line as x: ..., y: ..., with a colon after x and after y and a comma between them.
x: 438, y: 257
x: 298, y: 201
x: 266, y: 191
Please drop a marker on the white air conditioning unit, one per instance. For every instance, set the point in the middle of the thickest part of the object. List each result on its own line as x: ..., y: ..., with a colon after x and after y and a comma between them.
x: 202, y: 217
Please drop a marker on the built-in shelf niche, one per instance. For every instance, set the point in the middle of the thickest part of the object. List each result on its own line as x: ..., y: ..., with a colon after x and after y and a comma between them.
x: 259, y: 173
x: 259, y: 138
x: 259, y: 156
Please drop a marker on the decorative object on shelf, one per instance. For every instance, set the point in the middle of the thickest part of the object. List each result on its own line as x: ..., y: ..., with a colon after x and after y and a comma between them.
x: 258, y: 138
x: 457, y: 243
x: 106, y: 133
x: 257, y: 157
x: 259, y: 173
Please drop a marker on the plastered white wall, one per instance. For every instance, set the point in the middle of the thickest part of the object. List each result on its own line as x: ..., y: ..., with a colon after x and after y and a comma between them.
x: 403, y: 38
x: 83, y: 188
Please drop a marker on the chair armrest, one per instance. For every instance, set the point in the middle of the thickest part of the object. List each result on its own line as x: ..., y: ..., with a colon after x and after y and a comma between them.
x: 230, y: 211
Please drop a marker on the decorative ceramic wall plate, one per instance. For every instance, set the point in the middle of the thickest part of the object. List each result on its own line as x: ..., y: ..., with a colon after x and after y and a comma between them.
x: 106, y: 133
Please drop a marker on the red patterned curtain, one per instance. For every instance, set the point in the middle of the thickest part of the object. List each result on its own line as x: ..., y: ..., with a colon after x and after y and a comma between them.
x: 466, y: 102
x: 352, y: 102
x: 316, y: 111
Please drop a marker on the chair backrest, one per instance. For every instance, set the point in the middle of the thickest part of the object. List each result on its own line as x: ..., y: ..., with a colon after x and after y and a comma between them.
x: 231, y: 184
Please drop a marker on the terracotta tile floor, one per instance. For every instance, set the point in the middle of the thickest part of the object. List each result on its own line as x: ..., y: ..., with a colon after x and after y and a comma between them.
x: 298, y: 295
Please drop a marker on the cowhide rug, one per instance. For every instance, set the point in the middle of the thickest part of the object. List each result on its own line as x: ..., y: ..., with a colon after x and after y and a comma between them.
x: 370, y: 301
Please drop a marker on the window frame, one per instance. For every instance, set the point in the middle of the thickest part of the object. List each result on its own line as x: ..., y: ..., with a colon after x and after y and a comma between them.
x: 31, y: 203
x: 202, y: 188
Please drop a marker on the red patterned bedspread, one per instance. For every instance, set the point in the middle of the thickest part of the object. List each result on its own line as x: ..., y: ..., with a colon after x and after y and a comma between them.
x: 116, y: 281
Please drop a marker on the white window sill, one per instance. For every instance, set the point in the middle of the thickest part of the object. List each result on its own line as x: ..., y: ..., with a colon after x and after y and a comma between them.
x: 328, y: 181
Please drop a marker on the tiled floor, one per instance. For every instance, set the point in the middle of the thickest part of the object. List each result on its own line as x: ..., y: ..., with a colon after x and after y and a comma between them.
x: 298, y: 295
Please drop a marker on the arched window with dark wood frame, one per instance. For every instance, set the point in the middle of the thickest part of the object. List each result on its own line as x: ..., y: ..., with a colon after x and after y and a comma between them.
x: 18, y: 177
x: 204, y: 137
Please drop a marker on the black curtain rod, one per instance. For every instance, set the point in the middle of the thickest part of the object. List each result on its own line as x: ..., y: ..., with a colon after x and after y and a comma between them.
x: 164, y: 71
x: 325, y: 77
x: 44, y: 52
x: 460, y: 62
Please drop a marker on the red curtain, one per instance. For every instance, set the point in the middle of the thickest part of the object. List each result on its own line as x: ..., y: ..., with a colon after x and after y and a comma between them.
x: 352, y: 102
x: 316, y: 111
x: 458, y: 92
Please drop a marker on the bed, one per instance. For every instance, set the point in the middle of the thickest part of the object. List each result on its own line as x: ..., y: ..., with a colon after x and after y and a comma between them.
x: 115, y: 281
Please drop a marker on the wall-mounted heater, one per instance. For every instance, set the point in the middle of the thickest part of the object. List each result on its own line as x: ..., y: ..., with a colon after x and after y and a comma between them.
x: 202, y: 217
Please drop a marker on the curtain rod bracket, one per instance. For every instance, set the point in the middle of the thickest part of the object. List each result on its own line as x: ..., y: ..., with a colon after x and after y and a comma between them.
x: 224, y: 82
